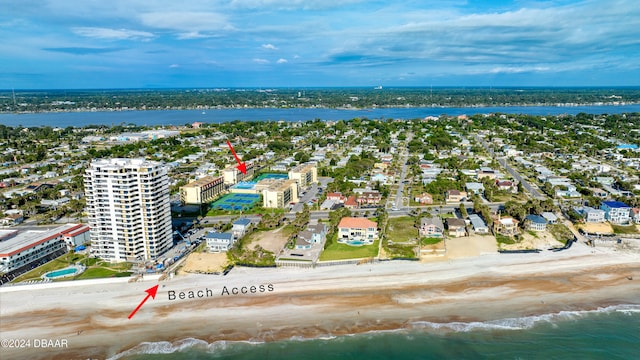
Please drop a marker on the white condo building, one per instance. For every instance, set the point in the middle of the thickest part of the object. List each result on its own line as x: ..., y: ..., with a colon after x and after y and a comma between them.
x: 129, y: 210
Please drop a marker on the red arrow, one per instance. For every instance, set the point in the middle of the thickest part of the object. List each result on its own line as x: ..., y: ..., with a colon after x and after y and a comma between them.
x: 241, y: 165
x: 151, y: 292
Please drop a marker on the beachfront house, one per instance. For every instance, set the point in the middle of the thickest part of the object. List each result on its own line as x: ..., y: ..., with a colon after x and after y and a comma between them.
x: 635, y: 215
x: 219, y: 242
x: 431, y: 227
x: 240, y: 227
x: 357, y: 231
x: 478, y: 225
x: 505, y: 226
x: 535, y: 222
x: 616, y: 212
x: 456, y: 227
x: 314, y: 234
x: 589, y: 214
x: 550, y: 217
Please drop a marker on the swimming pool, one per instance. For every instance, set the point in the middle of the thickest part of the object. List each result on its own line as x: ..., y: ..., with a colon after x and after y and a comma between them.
x: 61, y: 273
x: 355, y: 243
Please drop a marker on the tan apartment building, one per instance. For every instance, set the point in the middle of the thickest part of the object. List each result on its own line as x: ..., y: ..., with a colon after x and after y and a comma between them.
x: 232, y: 175
x: 278, y: 193
x: 305, y: 174
x: 202, y: 190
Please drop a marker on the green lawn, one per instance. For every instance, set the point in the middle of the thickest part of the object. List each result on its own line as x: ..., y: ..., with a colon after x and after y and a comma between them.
x: 338, y: 251
x: 102, y: 269
x: 401, y: 229
x: 619, y: 229
x: 505, y: 239
x: 401, y: 251
x: 430, y: 240
x: 95, y: 273
x: 56, y: 264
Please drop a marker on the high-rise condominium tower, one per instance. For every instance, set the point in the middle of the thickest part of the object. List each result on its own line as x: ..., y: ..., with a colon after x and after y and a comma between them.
x: 129, y: 210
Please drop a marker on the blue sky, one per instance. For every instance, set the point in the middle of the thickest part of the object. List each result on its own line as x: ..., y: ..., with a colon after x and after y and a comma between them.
x: 295, y: 43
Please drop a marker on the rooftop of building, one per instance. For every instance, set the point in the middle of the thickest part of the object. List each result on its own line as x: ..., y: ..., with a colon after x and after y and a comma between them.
x: 536, y: 219
x: 219, y: 235
x: 358, y: 223
x: 30, y: 238
x: 242, y: 222
x: 615, y: 204
x: 203, y: 181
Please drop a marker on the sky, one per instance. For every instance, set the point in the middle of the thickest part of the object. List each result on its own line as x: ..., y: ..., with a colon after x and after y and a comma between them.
x: 84, y: 44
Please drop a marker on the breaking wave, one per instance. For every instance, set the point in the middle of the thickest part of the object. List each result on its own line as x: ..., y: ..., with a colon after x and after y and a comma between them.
x: 507, y: 324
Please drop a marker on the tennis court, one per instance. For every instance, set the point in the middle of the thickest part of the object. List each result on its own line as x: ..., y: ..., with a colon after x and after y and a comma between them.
x: 270, y: 176
x: 235, y: 201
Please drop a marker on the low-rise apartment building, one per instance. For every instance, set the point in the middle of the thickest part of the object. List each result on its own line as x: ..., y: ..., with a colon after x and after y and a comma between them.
x: 305, y: 174
x: 202, y: 190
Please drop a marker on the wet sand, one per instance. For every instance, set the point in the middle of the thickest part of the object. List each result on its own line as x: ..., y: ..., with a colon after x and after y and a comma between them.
x: 309, y: 303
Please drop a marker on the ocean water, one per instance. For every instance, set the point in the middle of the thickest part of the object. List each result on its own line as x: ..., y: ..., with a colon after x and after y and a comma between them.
x: 608, y: 333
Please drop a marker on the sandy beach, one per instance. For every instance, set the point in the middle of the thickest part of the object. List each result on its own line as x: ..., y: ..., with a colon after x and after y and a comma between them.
x: 281, y: 303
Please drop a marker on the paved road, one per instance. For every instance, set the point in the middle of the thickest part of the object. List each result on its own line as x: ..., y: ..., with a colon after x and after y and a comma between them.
x: 503, y: 162
x: 402, y: 158
x: 532, y: 190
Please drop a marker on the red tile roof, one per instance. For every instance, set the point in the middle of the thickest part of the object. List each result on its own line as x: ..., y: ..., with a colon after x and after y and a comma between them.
x: 356, y: 223
x: 351, y: 201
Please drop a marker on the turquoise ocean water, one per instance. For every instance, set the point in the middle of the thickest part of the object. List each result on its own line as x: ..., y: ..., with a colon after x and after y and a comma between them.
x: 609, y: 333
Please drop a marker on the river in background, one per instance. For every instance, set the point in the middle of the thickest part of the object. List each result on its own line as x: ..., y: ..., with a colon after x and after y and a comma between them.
x: 182, y: 117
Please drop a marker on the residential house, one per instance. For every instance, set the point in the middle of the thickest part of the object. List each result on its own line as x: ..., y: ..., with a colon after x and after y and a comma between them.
x: 475, y: 188
x: 219, y: 242
x: 590, y: 214
x: 336, y: 196
x: 550, y: 217
x: 505, y: 226
x: 314, y: 234
x: 424, y: 199
x: 616, y: 212
x: 12, y: 218
x: 351, y: 202
x: 597, y: 192
x: 635, y: 215
x: 54, y: 203
x: 240, y: 227
x: 483, y: 173
x: 478, y: 224
x: 431, y: 226
x: 457, y: 227
x: 369, y: 198
x: 507, y: 185
x: 453, y: 196
x: 535, y: 222
x: 361, y: 230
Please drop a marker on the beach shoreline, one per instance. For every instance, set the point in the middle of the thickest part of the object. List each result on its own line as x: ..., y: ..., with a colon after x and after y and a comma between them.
x: 317, y: 303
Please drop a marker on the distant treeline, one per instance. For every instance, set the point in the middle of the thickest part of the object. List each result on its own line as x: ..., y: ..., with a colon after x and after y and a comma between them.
x: 85, y: 100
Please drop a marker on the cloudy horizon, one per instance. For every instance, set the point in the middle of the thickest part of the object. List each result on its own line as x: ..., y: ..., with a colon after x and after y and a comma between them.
x: 285, y: 43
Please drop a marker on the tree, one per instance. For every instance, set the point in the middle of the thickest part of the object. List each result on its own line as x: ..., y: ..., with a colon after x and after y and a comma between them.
x: 463, y: 210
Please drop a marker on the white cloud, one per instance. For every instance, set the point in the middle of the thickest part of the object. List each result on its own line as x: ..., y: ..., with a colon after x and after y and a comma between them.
x: 292, y: 4
x: 188, y: 24
x: 260, y: 61
x: 173, y: 66
x: 112, y: 34
x: 269, y: 47
x: 282, y: 61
